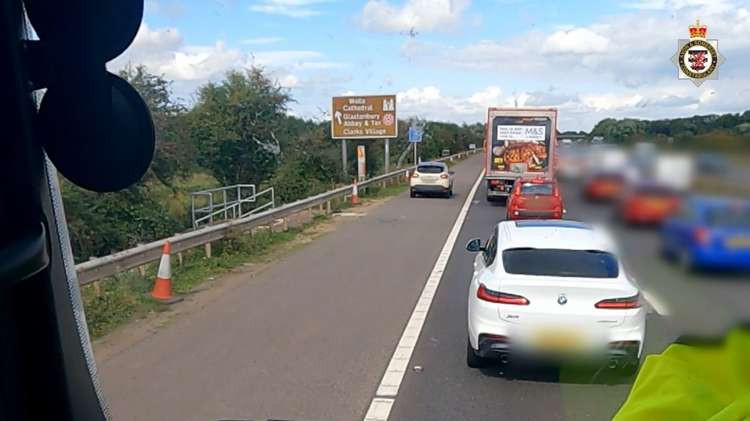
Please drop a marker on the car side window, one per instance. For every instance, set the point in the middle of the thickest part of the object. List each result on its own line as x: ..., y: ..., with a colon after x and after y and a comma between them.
x: 490, y: 251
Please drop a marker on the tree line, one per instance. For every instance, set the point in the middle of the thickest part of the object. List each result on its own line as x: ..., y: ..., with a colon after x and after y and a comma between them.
x: 238, y: 131
x: 724, y: 132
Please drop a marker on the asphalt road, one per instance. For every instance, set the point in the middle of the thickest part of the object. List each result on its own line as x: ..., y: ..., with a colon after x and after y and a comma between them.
x: 310, y: 338
x: 307, y: 339
x: 444, y: 388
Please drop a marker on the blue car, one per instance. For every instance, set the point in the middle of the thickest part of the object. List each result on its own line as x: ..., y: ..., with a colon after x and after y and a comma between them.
x: 709, y: 233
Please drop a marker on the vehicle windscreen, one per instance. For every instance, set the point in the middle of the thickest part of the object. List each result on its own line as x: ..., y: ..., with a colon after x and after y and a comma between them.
x: 430, y: 169
x: 560, y: 262
x: 537, y: 189
x: 729, y: 218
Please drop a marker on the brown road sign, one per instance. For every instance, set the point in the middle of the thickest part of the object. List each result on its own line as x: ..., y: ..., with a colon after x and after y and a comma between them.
x: 364, y: 117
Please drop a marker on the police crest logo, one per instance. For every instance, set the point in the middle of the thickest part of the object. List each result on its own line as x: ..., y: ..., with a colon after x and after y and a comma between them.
x: 698, y: 58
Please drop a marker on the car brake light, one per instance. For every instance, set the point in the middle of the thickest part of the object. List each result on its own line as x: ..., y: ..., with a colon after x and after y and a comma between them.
x: 444, y: 176
x: 485, y: 294
x: 702, y: 236
x: 620, y: 303
x: 415, y: 174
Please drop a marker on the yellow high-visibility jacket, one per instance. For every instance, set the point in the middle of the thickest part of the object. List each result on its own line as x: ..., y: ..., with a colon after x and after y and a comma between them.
x: 693, y: 382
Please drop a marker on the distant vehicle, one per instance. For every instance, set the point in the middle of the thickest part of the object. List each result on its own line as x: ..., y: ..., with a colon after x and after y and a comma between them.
x: 519, y: 142
x: 711, y: 163
x: 572, y: 163
x: 431, y: 178
x: 535, y: 198
x: 603, y: 186
x: 709, y: 233
x: 446, y: 152
x: 674, y: 170
x: 472, y: 146
x: 648, y: 203
x: 552, y: 288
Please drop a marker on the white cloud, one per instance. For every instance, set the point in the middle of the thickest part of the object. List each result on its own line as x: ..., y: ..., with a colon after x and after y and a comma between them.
x: 289, y: 8
x: 704, y: 5
x: 576, y: 41
x: 161, y: 39
x: 261, y: 40
x: 418, y: 15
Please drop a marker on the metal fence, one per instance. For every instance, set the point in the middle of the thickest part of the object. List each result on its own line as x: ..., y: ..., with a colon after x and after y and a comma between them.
x: 230, y: 202
x: 115, y: 263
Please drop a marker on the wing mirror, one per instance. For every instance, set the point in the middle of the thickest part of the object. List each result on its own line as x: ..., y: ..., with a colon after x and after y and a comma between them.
x: 474, y: 245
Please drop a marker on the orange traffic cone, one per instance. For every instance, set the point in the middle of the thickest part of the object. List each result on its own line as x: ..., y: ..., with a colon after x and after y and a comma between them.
x: 163, y: 284
x: 355, y: 193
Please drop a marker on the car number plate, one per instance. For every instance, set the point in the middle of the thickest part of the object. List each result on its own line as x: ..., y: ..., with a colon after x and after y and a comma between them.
x: 740, y: 242
x: 558, y: 340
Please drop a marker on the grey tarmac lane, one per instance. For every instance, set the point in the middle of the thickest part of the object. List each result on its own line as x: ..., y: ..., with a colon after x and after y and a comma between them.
x: 307, y: 339
x: 446, y: 389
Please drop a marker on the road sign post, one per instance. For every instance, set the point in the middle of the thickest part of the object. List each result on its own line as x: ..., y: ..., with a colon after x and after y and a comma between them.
x: 343, y: 156
x: 387, y: 155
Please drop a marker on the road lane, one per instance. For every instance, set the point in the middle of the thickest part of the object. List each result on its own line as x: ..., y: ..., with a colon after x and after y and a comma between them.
x: 446, y: 389
x: 307, y: 339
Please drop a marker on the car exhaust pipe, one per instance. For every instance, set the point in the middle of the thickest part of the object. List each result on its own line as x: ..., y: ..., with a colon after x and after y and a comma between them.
x: 612, y: 363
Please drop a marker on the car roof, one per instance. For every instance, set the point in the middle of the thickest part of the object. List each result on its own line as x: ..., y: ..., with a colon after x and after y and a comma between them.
x: 716, y: 201
x: 555, y: 234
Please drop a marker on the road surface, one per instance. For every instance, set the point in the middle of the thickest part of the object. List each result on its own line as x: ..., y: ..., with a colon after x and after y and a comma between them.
x: 310, y: 338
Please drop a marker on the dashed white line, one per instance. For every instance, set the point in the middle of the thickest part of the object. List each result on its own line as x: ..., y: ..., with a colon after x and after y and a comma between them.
x: 385, y: 397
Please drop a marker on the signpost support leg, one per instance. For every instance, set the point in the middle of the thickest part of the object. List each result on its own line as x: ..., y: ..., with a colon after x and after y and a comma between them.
x: 343, y: 156
x: 415, y: 154
x: 387, y: 155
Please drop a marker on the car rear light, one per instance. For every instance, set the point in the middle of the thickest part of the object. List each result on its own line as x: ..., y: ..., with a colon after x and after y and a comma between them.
x: 485, y: 294
x: 702, y: 236
x: 444, y: 176
x: 415, y: 174
x: 620, y: 303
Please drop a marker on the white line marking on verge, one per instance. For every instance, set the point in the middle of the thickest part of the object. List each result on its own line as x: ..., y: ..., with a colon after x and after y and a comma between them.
x: 655, y: 303
x: 381, y: 404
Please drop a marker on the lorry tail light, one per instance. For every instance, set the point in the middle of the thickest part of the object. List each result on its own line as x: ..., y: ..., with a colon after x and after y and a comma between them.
x: 491, y: 296
x: 494, y: 182
x: 702, y: 236
x: 620, y: 303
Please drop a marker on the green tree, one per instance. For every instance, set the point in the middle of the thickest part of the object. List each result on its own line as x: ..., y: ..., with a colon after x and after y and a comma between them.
x: 174, y: 154
x: 234, y: 125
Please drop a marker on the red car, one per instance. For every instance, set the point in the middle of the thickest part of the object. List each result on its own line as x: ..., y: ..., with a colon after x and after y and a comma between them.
x: 604, y: 186
x: 648, y: 204
x: 535, y: 198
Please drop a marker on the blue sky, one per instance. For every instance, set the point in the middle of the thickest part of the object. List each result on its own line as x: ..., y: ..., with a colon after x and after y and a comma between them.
x: 450, y: 59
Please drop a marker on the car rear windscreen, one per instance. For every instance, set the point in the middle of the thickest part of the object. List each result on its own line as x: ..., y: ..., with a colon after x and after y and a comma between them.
x: 430, y: 169
x: 560, y: 262
x: 729, y: 218
x: 534, y: 189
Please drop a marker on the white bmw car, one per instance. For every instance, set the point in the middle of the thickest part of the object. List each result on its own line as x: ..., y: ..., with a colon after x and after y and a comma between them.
x: 552, y: 287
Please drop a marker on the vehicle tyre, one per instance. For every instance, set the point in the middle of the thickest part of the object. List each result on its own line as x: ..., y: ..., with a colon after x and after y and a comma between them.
x: 450, y: 193
x: 412, y: 194
x: 472, y: 359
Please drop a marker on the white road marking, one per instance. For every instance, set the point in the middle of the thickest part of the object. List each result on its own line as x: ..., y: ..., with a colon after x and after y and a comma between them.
x: 381, y: 404
x: 349, y: 214
x: 655, y: 303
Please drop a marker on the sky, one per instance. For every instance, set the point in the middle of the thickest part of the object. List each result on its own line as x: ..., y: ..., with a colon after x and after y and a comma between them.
x: 451, y: 59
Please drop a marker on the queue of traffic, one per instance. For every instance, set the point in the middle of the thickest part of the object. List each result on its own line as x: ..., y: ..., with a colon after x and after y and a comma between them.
x: 545, y: 288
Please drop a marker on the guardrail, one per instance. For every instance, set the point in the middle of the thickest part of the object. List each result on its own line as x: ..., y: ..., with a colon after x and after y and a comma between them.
x: 102, y: 267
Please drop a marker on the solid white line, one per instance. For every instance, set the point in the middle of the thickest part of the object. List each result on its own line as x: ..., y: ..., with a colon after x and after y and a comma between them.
x: 655, y: 303
x: 381, y: 404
